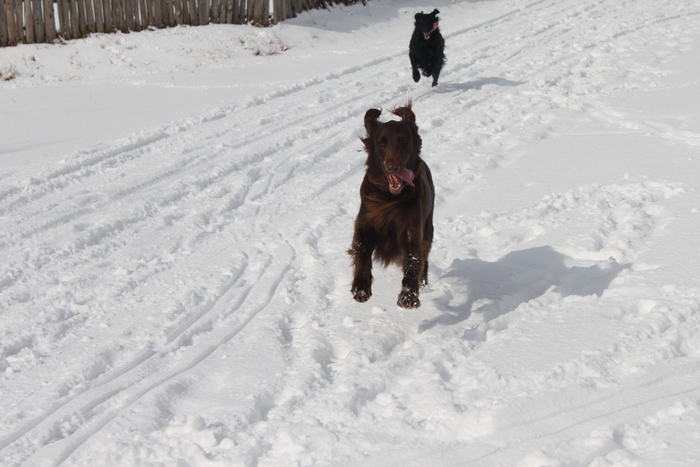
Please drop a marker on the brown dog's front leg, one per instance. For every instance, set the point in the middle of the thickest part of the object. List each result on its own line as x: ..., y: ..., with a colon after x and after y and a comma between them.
x: 412, y: 271
x: 361, y: 252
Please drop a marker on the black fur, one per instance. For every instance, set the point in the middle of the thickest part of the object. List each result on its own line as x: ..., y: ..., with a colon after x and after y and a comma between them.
x: 426, y: 49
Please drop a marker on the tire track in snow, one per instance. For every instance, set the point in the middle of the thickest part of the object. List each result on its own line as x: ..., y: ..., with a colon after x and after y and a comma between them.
x: 534, y: 424
x: 99, y: 405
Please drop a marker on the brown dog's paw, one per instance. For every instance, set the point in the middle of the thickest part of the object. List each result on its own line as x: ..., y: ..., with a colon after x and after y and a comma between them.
x: 361, y: 295
x: 408, y: 299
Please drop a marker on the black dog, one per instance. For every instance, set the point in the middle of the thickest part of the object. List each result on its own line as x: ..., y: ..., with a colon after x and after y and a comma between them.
x: 395, y: 222
x: 427, y: 47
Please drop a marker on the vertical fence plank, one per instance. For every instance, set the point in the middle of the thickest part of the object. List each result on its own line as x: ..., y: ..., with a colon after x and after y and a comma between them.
x: 60, y: 5
x: 107, y: 16
x: 142, y: 21
x: 11, y: 21
x: 150, y: 16
x: 194, y: 14
x: 63, y: 17
x: 73, y: 18
x: 143, y: 14
x: 38, y: 17
x: 82, y: 19
x: 135, y: 16
x: 179, y: 14
x: 221, y: 15
x: 285, y: 8
x: 203, y: 12
x: 121, y: 17
x: 171, y: 17
x: 26, y: 18
x: 129, y: 15
x: 19, y: 22
x: 4, y: 34
x: 231, y: 11
x: 266, y: 13
x: 157, y: 14
x: 283, y: 5
x: 99, y: 15
x: 255, y: 15
x: 249, y: 11
x: 4, y: 38
x: 165, y: 14
x: 275, y: 14
x: 49, y: 21
x: 214, y: 11
x: 238, y: 11
x: 89, y: 17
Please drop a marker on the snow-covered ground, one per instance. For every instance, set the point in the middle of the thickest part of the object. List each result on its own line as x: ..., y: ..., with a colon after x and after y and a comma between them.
x: 176, y: 206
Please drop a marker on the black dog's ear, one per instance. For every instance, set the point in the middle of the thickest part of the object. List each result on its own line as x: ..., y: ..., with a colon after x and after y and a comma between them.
x: 417, y: 15
x: 435, y: 11
x: 372, y: 120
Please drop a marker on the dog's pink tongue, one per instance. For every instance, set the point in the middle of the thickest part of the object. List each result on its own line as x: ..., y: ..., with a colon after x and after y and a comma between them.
x: 407, y: 176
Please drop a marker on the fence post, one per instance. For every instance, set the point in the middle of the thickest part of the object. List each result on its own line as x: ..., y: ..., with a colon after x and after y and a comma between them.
x: 203, y: 12
x: 214, y: 11
x: 11, y: 19
x: 4, y: 38
x: 179, y: 14
x: 90, y: 16
x: 239, y: 11
x: 25, y: 16
x: 49, y: 21
x: 266, y: 13
x: 98, y: 16
x: 62, y: 19
x: 171, y: 16
x: 129, y: 15
x: 256, y: 16
x: 3, y: 25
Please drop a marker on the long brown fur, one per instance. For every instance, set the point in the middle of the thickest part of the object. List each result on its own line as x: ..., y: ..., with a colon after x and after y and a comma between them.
x: 393, y: 228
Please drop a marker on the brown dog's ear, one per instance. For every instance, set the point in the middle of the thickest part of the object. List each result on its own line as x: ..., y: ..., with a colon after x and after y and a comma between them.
x: 408, y: 117
x: 372, y: 120
x: 406, y: 114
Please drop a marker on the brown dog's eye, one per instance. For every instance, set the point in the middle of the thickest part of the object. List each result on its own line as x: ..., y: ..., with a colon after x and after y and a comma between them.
x: 403, y: 141
x: 382, y: 141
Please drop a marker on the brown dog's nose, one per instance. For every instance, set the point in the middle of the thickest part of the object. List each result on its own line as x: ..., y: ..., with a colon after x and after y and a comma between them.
x: 391, y: 168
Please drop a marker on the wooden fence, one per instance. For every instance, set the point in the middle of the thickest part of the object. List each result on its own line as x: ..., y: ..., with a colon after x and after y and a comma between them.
x: 31, y: 21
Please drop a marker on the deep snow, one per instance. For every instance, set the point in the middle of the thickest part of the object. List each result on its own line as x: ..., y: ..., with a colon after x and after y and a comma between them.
x: 176, y: 206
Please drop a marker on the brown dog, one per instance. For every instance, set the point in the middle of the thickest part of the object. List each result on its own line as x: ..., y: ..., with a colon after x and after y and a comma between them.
x: 395, y: 222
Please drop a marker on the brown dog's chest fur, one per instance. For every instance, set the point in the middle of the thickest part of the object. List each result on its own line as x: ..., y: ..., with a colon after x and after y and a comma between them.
x: 390, y: 216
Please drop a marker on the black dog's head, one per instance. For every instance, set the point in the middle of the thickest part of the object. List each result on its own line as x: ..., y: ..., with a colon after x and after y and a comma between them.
x: 427, y: 22
x: 393, y: 147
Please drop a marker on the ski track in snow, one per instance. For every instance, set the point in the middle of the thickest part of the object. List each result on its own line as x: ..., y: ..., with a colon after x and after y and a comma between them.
x: 192, y: 240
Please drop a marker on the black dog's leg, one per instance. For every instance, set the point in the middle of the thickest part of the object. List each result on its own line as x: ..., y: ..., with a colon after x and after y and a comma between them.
x: 414, y: 67
x: 436, y: 75
x: 437, y: 67
x: 361, y: 252
x: 438, y: 59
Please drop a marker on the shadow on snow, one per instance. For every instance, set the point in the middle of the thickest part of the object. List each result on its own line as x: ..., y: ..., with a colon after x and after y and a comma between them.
x: 516, y: 278
x: 476, y: 84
